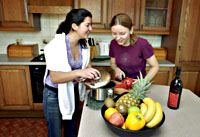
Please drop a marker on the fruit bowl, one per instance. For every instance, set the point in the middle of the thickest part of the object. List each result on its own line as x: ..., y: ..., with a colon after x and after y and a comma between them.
x: 126, y: 133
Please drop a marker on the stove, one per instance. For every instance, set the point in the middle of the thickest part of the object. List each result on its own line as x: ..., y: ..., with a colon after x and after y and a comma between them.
x: 39, y: 58
x: 37, y: 75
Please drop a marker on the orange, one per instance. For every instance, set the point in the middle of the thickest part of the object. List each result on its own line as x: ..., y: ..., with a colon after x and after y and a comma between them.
x: 109, y: 112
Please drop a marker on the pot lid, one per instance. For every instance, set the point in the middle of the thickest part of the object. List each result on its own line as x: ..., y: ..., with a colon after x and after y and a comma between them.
x: 104, y: 80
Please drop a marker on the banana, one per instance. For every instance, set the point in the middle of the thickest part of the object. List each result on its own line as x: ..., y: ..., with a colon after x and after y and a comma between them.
x: 151, y: 109
x: 143, y: 108
x: 157, y: 117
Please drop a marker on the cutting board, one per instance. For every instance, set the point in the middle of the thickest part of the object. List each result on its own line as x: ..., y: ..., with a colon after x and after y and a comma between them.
x: 119, y: 90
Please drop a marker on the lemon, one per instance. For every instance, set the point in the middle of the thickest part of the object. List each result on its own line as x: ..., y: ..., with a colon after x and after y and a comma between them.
x: 109, y: 112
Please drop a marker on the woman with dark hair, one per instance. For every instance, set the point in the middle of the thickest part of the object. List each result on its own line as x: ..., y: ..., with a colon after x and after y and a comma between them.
x: 67, y: 60
x: 129, y: 53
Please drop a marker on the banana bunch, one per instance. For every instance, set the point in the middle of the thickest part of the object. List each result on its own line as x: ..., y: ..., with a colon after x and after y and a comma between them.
x: 152, y: 112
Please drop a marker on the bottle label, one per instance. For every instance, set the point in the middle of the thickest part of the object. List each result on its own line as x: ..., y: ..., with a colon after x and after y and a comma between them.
x: 173, y: 100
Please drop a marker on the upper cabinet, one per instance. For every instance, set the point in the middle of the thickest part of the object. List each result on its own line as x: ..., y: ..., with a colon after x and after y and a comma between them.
x: 98, y: 10
x: 130, y: 7
x: 148, y: 16
x: 104, y: 10
x: 14, y: 16
x: 182, y: 44
x: 156, y: 15
x: 50, y: 6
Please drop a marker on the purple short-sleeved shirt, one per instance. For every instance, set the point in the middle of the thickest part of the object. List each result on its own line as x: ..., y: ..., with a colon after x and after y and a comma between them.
x: 131, y: 59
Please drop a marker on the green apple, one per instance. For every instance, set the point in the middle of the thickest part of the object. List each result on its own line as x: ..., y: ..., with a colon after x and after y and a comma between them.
x: 133, y: 108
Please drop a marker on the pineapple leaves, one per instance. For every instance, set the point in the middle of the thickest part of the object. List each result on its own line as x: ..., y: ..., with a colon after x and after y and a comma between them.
x: 140, y: 88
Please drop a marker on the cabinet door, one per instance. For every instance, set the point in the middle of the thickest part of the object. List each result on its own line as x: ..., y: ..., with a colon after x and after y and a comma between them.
x: 156, y: 15
x: 98, y: 8
x: 189, y: 45
x: 130, y: 7
x: 14, y: 15
x: 163, y: 77
x: 190, y: 80
x: 50, y: 6
x: 14, y: 10
x: 15, y: 88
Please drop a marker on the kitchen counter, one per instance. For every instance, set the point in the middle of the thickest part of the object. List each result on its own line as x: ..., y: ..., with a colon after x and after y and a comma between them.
x: 5, y: 60
x: 184, y: 122
x: 162, y: 63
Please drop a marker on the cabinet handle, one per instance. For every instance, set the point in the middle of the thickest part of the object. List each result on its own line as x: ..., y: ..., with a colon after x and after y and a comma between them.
x: 26, y: 10
x: 179, y: 47
x: 142, y: 26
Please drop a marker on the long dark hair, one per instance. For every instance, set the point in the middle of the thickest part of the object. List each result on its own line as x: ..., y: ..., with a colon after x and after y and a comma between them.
x: 124, y: 20
x: 76, y: 16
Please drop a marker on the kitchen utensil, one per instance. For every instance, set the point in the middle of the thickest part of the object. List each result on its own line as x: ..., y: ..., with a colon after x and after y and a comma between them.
x: 104, y: 80
x: 102, y: 93
x: 128, y: 133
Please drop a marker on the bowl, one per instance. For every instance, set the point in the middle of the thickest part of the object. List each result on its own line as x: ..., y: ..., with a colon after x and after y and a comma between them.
x: 145, y: 131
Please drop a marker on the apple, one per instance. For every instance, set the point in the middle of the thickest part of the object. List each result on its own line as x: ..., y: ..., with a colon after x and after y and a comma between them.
x: 116, y: 119
x: 133, y: 108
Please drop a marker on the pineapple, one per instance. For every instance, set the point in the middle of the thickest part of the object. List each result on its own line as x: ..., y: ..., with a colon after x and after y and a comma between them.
x: 137, y: 92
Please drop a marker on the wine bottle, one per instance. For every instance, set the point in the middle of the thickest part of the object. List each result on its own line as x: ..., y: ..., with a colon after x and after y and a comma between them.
x: 175, y: 91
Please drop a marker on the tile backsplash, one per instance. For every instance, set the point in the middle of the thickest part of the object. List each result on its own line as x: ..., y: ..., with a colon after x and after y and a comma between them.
x: 49, y: 24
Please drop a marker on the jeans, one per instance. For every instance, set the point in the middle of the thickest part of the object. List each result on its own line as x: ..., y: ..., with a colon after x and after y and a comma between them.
x: 54, y: 117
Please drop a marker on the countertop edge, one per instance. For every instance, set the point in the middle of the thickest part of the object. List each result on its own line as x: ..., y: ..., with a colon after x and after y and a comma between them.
x: 5, y: 60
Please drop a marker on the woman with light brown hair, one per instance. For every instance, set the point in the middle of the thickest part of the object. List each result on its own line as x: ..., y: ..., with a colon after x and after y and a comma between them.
x: 130, y: 53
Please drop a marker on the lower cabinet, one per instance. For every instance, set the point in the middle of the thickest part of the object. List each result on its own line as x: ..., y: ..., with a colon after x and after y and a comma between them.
x: 15, y: 88
x: 190, y: 77
x: 164, y: 76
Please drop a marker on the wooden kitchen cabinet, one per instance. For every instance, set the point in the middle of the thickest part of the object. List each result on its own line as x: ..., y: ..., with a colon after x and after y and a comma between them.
x: 130, y: 7
x: 50, y: 6
x: 98, y: 8
x: 164, y: 76
x: 15, y: 88
x: 191, y: 79
x: 156, y: 15
x: 182, y: 44
x: 14, y: 16
x: 104, y: 10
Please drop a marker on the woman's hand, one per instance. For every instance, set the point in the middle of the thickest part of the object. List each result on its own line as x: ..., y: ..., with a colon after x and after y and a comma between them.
x: 119, y: 74
x: 89, y: 73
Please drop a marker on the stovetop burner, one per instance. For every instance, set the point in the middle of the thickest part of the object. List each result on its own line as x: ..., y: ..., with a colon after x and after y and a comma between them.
x: 39, y: 58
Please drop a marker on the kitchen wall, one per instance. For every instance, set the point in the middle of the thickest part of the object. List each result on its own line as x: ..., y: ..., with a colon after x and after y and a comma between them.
x: 49, y: 24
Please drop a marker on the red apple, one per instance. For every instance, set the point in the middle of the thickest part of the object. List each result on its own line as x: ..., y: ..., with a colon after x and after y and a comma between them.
x: 116, y: 119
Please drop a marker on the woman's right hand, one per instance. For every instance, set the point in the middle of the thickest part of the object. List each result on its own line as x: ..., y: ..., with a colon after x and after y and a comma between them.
x: 90, y: 73
x: 119, y: 74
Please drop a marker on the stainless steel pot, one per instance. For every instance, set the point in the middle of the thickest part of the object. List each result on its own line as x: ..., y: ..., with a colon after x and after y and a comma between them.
x: 102, y: 93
